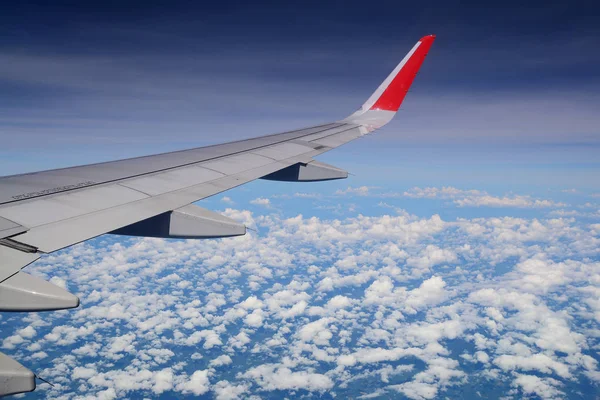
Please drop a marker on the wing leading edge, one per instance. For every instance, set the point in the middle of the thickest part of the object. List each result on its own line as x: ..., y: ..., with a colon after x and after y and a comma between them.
x: 151, y: 196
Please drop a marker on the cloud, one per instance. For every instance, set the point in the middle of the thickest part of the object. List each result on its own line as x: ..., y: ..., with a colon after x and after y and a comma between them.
x: 430, y: 292
x: 459, y: 197
x: 339, y: 301
x: 197, y: 384
x: 277, y: 377
x: 430, y: 256
x: 301, y: 195
x: 252, y: 303
x: 539, y: 362
x: 254, y: 320
x: 317, y: 332
x: 83, y: 373
x: 163, y: 381
x: 446, y: 192
x: 224, y: 390
x: 331, y: 302
x: 210, y: 337
x: 352, y: 191
x: 477, y: 198
x: 121, y: 344
x: 220, y: 361
x: 227, y: 200
x: 417, y: 390
x: 21, y: 336
x: 514, y: 201
x: 545, y: 388
x: 261, y: 201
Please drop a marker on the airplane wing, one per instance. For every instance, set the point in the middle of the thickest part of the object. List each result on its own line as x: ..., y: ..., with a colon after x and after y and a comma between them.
x: 152, y: 196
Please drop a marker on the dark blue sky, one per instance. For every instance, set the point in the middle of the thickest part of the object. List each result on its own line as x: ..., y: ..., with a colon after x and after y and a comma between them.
x: 516, y: 43
x: 124, y: 78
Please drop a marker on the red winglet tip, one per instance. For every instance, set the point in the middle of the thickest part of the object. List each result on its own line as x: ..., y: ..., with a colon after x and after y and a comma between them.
x: 393, y: 95
x: 427, y: 39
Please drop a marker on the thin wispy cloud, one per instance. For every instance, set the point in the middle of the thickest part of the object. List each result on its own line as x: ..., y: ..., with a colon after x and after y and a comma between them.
x: 477, y: 198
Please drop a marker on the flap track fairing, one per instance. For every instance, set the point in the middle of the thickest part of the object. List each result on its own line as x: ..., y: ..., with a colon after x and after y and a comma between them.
x: 313, y: 171
x: 189, y: 222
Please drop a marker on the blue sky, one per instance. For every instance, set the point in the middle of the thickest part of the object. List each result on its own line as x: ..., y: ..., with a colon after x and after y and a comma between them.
x: 92, y: 82
x: 460, y: 258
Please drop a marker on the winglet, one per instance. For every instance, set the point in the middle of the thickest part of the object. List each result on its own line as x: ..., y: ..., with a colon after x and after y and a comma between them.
x: 383, y: 104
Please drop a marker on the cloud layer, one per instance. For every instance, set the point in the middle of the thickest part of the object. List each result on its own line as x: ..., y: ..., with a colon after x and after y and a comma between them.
x: 387, y: 305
